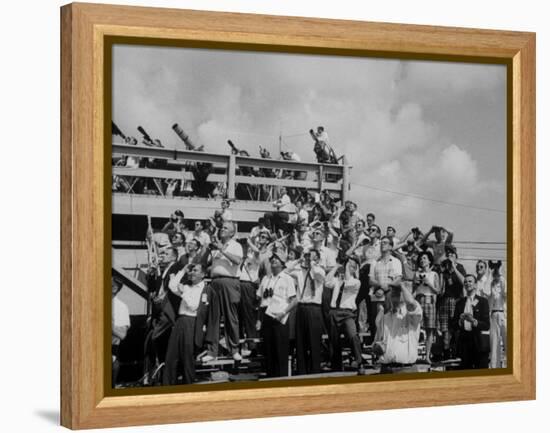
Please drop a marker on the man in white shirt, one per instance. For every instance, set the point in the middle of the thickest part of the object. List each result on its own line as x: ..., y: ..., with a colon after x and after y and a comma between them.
x: 284, y: 208
x: 257, y: 229
x: 387, y: 270
x: 181, y: 345
x: 278, y: 296
x: 226, y: 214
x: 343, y: 312
x: 398, y: 331
x: 322, y: 149
x: 309, y: 319
x: 120, y: 323
x: 328, y: 256
x: 227, y: 255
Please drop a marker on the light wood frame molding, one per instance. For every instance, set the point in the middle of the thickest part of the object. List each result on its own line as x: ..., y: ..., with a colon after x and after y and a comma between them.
x: 85, y: 402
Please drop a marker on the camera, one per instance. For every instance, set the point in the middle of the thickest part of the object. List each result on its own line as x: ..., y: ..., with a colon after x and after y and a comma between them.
x: 494, y: 264
x: 446, y: 265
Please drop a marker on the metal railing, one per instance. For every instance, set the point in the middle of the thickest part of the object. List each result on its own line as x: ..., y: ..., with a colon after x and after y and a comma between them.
x: 232, y: 170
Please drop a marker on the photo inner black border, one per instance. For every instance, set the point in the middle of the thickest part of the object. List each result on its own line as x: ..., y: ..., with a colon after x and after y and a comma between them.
x: 109, y: 41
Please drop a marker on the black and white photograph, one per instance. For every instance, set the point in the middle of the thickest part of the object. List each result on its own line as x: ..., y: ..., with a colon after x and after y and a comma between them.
x: 288, y: 216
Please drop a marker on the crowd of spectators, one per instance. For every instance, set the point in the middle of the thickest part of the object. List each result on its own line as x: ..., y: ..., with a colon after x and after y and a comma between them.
x: 314, y: 267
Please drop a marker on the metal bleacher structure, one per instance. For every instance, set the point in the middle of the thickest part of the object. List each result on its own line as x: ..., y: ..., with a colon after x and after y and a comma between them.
x: 234, y: 177
x: 225, y: 169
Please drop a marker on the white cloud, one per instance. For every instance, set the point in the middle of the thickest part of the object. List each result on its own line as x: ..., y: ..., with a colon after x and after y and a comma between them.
x: 375, y: 111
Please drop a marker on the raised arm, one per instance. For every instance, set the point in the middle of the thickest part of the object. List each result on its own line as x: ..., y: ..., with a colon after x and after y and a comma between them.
x: 427, y: 235
x: 450, y: 236
x: 408, y: 298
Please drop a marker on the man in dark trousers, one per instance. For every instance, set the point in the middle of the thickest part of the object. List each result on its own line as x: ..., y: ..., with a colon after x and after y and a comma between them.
x: 191, y: 304
x: 471, y: 319
x: 227, y: 255
x: 452, y: 279
x: 309, y: 319
x: 343, y: 312
x: 162, y: 314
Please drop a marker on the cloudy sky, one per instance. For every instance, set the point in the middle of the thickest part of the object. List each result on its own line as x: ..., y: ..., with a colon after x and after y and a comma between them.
x: 410, y: 129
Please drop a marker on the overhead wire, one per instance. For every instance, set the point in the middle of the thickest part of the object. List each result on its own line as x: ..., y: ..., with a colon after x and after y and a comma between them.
x: 433, y: 200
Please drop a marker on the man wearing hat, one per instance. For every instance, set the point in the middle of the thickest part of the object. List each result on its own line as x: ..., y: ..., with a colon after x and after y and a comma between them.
x: 278, y: 298
x: 190, y: 302
x: 398, y: 332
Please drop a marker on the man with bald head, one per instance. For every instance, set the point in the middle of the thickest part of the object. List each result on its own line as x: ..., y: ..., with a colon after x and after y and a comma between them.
x: 227, y: 255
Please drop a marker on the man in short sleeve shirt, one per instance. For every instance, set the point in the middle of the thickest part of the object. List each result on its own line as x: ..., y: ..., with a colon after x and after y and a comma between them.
x: 227, y: 255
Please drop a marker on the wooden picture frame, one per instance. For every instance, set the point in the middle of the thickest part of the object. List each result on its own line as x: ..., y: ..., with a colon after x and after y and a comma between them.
x: 85, y: 218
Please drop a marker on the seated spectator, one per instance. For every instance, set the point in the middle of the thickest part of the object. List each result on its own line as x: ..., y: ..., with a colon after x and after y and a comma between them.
x: 226, y: 214
x: 285, y: 208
